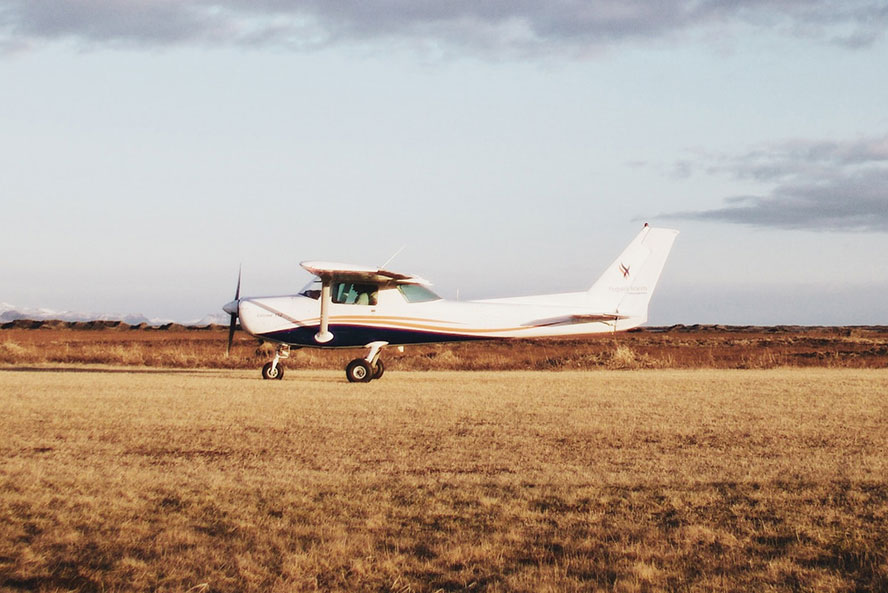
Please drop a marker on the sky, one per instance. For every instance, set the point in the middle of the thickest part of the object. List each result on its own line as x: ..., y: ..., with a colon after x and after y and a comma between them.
x: 151, y: 148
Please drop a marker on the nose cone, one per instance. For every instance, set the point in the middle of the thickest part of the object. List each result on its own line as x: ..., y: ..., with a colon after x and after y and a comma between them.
x: 231, y: 308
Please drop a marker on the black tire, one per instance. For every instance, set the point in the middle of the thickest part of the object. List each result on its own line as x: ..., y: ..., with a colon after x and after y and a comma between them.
x: 277, y: 373
x: 359, y: 371
x: 378, y: 370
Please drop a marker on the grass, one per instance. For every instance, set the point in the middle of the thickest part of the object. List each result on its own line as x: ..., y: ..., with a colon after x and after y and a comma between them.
x: 680, y: 347
x: 678, y: 480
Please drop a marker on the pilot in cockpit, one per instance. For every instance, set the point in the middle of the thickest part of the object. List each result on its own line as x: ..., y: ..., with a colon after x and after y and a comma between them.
x: 367, y: 294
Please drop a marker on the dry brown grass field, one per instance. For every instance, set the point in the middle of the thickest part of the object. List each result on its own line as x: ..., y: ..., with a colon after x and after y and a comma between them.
x: 138, y: 479
x: 47, y: 343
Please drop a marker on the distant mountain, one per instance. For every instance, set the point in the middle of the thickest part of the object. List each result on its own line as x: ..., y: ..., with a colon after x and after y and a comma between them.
x: 10, y: 312
x: 211, y: 319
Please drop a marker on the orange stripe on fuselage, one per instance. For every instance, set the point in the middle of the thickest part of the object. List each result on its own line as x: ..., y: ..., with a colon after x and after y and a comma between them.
x: 409, y: 323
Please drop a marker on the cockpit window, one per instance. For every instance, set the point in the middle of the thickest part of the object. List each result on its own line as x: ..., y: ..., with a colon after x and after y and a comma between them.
x: 352, y: 293
x: 417, y: 293
x: 344, y: 293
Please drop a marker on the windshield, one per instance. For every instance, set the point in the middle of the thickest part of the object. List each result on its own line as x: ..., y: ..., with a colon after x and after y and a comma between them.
x: 312, y: 290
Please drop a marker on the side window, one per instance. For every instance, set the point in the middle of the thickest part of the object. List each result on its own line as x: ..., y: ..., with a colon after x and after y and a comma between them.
x: 416, y: 293
x: 351, y: 293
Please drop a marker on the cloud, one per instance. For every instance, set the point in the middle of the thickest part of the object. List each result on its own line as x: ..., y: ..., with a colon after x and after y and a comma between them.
x: 817, y: 185
x: 495, y: 26
x: 801, y: 158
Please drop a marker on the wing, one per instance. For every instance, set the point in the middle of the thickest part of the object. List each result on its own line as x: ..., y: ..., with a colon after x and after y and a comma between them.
x: 335, y: 271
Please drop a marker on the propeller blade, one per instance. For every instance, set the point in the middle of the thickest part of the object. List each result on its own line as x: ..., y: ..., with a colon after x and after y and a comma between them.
x: 233, y: 325
x: 231, y: 329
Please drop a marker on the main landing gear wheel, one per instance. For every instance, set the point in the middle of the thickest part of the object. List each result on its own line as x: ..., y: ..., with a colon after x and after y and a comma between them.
x: 364, y: 370
x: 359, y: 371
x: 378, y: 370
x: 272, y: 371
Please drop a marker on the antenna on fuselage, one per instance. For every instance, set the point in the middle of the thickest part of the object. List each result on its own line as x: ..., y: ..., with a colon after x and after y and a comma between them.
x: 394, y: 255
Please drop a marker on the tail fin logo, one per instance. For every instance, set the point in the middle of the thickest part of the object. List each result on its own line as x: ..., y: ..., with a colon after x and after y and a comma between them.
x: 624, y: 269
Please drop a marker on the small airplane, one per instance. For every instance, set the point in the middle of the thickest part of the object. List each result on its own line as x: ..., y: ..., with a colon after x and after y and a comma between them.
x: 351, y: 306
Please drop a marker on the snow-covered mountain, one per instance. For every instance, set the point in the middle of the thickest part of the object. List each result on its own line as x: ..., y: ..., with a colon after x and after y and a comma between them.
x: 211, y: 319
x: 10, y: 312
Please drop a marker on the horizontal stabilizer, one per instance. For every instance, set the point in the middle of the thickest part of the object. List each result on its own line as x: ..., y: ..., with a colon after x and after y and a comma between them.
x: 575, y: 319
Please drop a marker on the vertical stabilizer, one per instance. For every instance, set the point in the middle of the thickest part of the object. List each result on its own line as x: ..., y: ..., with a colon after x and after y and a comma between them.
x: 626, y: 286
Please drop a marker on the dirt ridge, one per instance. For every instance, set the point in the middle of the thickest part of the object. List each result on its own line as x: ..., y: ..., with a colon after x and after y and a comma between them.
x: 677, y: 346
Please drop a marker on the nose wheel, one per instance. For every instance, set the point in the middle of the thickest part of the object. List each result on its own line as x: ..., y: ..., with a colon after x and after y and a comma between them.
x: 364, y: 370
x: 274, y: 369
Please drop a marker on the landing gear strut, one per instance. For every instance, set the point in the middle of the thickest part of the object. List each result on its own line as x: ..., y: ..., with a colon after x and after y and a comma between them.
x: 364, y: 370
x: 274, y: 369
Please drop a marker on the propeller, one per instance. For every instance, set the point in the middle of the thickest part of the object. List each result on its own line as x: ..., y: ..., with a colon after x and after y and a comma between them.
x: 231, y: 309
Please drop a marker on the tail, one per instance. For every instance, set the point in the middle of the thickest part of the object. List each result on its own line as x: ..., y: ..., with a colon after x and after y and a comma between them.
x: 626, y: 286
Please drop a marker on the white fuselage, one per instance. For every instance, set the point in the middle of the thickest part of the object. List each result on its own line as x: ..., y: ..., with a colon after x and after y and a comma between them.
x: 295, y: 320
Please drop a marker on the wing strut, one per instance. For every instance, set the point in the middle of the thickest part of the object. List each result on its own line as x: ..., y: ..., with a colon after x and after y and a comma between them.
x: 323, y: 336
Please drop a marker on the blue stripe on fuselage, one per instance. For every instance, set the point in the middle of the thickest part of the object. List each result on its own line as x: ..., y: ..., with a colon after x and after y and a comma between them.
x: 350, y: 336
